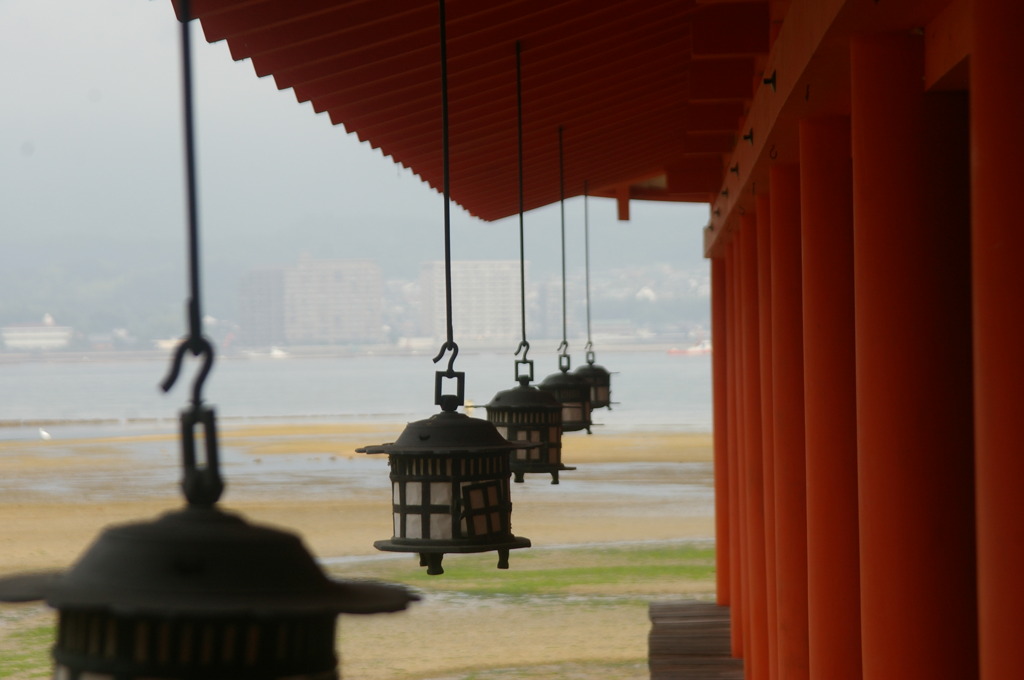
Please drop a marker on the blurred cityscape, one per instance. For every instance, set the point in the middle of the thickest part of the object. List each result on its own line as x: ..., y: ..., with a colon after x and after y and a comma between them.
x: 314, y: 304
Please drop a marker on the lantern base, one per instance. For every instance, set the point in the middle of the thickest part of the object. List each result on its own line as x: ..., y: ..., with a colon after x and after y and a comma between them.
x: 519, y: 473
x: 577, y: 425
x: 431, y: 554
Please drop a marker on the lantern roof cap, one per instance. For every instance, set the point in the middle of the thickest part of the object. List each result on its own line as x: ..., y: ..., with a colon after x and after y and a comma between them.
x: 446, y: 433
x: 562, y: 379
x: 591, y: 370
x: 525, y: 397
x: 202, y: 561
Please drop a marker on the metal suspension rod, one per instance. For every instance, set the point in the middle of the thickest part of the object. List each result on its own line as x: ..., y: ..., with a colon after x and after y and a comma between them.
x: 586, y: 255
x: 194, y: 342
x: 448, y: 402
x: 194, y: 308
x: 561, y: 206
x: 201, y: 481
x: 519, y: 139
x: 446, y: 173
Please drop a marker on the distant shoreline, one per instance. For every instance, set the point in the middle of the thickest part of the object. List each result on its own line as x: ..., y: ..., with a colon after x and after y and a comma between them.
x: 308, y: 352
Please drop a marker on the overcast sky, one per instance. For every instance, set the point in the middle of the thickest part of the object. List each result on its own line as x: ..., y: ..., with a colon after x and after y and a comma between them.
x: 91, y: 161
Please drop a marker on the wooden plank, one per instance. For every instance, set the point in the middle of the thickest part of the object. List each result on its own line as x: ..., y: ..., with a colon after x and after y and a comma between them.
x: 690, y: 639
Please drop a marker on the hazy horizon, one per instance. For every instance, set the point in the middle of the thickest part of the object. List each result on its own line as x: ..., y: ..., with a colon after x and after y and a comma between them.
x: 91, y: 165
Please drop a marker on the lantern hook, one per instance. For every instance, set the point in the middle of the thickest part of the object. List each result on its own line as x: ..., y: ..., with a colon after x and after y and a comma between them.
x: 526, y: 377
x: 198, y: 346
x: 449, y: 345
x: 524, y: 347
x: 564, y: 362
x: 449, y: 402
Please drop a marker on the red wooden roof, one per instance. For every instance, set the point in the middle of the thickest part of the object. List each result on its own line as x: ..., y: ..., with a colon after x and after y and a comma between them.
x: 650, y: 93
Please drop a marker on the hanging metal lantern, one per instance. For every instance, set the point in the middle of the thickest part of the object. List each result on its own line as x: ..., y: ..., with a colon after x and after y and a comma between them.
x: 449, y: 473
x: 450, y: 486
x: 573, y: 393
x: 600, y: 381
x: 533, y: 416
x: 570, y: 390
x: 524, y: 413
x: 199, y: 592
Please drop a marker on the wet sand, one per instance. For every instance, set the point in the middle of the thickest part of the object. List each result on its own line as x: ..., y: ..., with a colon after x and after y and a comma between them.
x: 57, y: 495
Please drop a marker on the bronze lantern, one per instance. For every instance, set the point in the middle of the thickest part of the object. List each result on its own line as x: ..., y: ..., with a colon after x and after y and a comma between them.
x: 598, y: 377
x: 524, y: 413
x: 450, y: 486
x: 573, y: 393
x: 600, y: 381
x: 198, y: 593
x: 532, y: 416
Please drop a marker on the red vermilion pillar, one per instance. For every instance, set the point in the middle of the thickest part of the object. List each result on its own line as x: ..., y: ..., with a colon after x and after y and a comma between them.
x: 764, y: 316
x: 914, y: 406
x: 752, y: 473
x: 830, y: 409
x: 788, y: 414
x: 737, y: 529
x: 997, y: 110
x: 742, y: 437
x: 720, y: 340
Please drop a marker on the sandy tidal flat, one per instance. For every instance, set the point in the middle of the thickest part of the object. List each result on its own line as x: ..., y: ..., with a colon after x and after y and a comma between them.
x: 629, y: 490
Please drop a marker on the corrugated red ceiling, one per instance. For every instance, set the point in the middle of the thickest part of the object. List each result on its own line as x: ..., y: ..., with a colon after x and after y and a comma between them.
x: 646, y: 92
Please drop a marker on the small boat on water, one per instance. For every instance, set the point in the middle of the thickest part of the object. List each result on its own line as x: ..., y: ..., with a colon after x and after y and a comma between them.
x: 702, y: 347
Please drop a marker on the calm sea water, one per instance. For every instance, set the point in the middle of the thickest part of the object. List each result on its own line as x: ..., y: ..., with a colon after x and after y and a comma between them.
x: 654, y: 390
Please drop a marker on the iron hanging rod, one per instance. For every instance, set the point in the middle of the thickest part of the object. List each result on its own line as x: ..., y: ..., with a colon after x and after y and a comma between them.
x: 446, y: 190
x: 201, y: 482
x: 524, y: 344
x: 586, y: 255
x: 522, y: 247
x: 195, y: 314
x: 561, y: 205
x: 194, y: 342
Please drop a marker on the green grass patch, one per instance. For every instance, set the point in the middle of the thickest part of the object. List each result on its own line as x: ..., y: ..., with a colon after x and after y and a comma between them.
x: 621, y: 670
x: 618, y: 571
x: 25, y: 653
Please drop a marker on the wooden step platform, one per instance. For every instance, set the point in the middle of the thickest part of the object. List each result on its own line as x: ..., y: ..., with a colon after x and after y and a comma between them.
x: 689, y: 640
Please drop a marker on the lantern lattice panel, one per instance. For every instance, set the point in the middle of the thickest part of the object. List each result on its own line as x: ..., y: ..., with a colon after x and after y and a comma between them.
x: 600, y: 381
x: 482, y: 506
x: 542, y: 428
x: 111, y: 646
x: 452, y: 498
x: 574, y: 395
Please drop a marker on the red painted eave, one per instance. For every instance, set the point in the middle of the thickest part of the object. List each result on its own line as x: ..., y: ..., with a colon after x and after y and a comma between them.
x: 810, y: 60
x: 643, y: 89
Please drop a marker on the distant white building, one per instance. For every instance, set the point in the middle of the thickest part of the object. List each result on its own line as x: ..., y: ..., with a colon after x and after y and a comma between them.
x: 261, y: 308
x: 333, y: 302
x: 315, y: 302
x: 41, y: 337
x: 485, y: 300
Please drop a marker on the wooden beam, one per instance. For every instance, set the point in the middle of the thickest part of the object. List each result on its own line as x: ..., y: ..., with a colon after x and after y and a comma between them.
x: 803, y: 32
x: 622, y: 202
